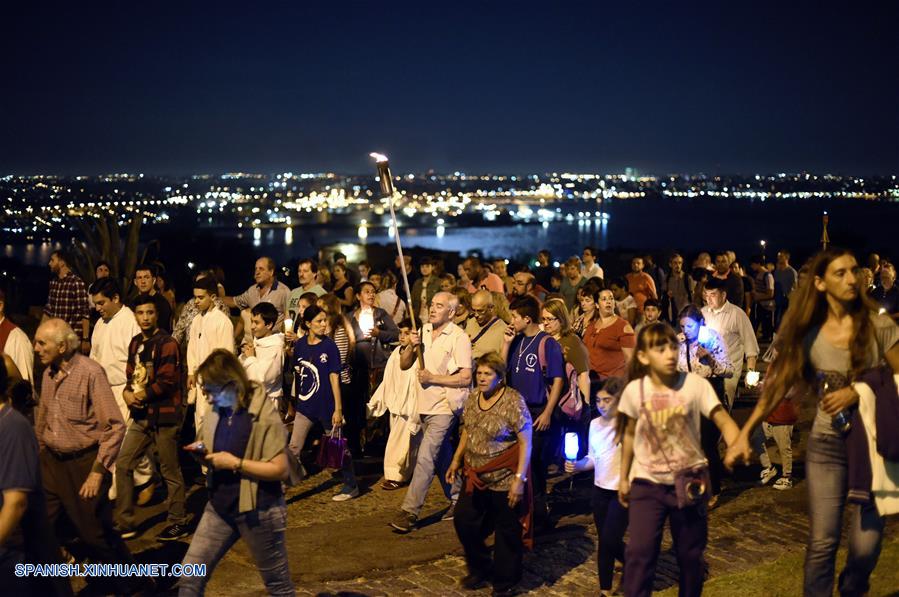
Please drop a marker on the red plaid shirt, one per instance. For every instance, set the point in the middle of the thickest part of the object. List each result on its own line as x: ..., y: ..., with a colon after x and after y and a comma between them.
x: 68, y: 301
x: 77, y: 410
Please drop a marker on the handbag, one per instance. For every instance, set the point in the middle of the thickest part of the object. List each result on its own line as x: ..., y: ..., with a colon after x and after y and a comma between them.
x: 332, y: 451
x: 692, y: 484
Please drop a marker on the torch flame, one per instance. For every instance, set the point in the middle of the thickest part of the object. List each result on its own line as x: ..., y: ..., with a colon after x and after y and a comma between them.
x: 378, y: 157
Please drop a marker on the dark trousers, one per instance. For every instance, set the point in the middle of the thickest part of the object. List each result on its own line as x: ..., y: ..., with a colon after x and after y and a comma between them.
x: 475, y: 516
x: 763, y: 320
x: 354, y: 396
x: 91, y: 518
x: 709, y: 436
x: 542, y: 449
x: 138, y: 439
x: 650, y: 505
x: 610, y: 518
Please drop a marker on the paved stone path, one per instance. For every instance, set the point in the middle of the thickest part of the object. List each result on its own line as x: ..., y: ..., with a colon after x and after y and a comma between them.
x: 349, y: 549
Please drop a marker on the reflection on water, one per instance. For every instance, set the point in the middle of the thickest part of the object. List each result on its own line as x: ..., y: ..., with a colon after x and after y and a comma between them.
x: 31, y: 253
x: 654, y: 227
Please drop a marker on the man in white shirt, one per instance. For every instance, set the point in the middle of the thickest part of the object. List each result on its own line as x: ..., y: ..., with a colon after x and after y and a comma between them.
x: 211, y: 329
x: 263, y: 358
x: 109, y: 347
x: 589, y: 268
x: 732, y: 324
x: 15, y: 344
x: 444, y: 382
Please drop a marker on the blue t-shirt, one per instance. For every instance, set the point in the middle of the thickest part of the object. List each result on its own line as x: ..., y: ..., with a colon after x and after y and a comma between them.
x: 232, y: 435
x: 312, y: 369
x: 20, y: 469
x: 525, y: 371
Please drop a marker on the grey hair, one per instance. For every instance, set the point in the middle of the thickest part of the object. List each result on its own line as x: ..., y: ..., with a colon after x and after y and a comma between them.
x: 63, y: 333
x: 452, y: 300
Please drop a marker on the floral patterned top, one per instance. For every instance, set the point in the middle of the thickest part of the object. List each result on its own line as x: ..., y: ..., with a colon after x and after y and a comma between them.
x: 492, y: 431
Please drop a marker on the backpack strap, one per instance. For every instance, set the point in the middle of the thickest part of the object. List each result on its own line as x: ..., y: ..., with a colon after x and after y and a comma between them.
x: 541, y: 353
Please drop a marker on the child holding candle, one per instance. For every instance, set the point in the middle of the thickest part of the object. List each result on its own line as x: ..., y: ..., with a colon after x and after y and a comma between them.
x: 604, y: 458
x: 664, y: 472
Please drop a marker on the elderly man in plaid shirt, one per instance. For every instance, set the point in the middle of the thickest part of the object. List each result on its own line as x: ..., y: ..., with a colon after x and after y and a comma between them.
x: 67, y: 299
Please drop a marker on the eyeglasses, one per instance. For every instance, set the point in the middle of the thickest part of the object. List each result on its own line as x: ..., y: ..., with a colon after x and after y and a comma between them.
x: 549, y: 319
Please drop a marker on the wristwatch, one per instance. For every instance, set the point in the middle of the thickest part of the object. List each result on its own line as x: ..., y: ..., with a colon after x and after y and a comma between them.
x: 522, y: 477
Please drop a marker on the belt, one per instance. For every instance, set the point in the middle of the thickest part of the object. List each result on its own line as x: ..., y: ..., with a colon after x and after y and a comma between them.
x: 66, y: 456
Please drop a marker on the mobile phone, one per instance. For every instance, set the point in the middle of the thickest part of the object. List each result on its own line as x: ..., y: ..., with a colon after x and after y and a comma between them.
x: 198, y: 448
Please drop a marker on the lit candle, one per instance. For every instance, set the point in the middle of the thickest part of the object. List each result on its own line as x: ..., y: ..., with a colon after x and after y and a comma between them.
x: 571, y: 446
x: 752, y: 378
x: 288, y: 324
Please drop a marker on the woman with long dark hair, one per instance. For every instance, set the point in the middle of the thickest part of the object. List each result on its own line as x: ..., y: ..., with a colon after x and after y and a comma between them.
x: 702, y: 351
x: 831, y: 332
x: 316, y: 365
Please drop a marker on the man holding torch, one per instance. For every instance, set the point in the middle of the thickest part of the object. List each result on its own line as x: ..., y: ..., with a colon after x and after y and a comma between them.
x: 444, y: 378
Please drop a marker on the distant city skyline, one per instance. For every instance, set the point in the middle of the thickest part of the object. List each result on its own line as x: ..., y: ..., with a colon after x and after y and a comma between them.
x: 714, y: 88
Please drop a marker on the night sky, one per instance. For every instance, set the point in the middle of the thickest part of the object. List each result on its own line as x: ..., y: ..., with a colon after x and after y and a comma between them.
x: 723, y: 87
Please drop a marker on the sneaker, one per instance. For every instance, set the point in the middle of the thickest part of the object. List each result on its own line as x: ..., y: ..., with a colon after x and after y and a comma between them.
x: 126, y: 532
x: 450, y: 512
x: 173, y: 532
x: 347, y: 493
x: 783, y: 483
x: 404, y: 521
x: 387, y: 485
x: 767, y: 474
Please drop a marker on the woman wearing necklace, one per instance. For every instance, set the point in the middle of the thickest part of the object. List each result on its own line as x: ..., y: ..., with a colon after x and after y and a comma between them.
x: 830, y: 334
x: 610, y: 340
x: 494, y: 456
x: 242, y: 442
x: 316, y: 366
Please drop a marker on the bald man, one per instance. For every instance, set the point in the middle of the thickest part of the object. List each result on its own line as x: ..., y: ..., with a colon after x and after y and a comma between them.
x: 79, y: 428
x: 485, y: 329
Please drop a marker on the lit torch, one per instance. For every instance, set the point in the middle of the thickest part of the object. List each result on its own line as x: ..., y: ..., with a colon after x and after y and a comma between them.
x: 387, y: 191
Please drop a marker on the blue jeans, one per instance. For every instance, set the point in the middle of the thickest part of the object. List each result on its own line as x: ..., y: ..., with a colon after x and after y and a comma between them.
x: 826, y: 474
x: 262, y: 531
x: 434, y: 456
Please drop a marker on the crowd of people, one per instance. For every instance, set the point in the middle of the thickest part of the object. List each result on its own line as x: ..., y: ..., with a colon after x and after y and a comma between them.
x: 488, y: 380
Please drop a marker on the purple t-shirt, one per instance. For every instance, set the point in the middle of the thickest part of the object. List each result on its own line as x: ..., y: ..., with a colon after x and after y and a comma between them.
x: 526, y: 373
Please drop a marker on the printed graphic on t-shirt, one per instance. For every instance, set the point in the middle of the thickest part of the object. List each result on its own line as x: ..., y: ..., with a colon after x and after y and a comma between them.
x: 307, y: 378
x: 668, y: 432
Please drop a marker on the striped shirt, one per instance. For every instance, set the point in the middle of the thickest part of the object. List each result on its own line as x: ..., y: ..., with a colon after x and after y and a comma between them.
x: 78, y: 411
x: 342, y: 340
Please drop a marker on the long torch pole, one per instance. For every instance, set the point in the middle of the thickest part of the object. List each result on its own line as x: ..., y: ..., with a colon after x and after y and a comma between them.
x: 387, y: 190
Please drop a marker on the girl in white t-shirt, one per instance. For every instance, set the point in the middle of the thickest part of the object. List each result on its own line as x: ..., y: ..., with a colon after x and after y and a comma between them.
x: 604, y: 457
x: 660, y: 411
